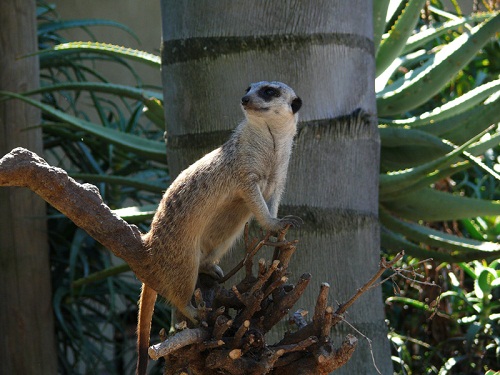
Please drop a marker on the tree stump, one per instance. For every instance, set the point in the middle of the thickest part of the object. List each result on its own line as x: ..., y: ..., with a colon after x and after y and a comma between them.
x: 231, y: 338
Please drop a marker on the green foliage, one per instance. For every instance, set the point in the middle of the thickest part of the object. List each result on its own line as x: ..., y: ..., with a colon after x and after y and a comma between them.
x: 439, y: 108
x: 111, y: 135
x: 463, y: 335
x: 430, y: 132
x: 422, y: 83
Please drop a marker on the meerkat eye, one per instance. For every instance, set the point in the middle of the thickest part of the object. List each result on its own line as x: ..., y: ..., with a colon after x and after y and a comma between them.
x: 247, y: 90
x: 271, y: 92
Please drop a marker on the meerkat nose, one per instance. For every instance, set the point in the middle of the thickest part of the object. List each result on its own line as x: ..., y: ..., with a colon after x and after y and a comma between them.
x: 245, y: 100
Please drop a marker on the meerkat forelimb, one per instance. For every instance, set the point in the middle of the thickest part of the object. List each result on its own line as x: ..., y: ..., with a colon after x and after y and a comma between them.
x: 205, y: 209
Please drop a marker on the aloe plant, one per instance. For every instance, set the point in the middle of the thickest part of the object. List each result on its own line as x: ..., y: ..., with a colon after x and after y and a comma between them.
x: 422, y: 145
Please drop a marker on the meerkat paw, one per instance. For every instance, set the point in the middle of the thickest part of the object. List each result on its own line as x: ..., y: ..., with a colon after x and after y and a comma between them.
x: 278, y: 225
x: 212, y: 270
x: 293, y: 221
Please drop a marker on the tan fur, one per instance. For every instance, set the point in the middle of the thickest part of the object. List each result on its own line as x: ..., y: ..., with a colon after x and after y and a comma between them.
x: 205, y: 209
x: 146, y: 308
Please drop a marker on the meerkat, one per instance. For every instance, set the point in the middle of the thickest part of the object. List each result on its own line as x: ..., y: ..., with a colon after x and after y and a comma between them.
x: 205, y: 209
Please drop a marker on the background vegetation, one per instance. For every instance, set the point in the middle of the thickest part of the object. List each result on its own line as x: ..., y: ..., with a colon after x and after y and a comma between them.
x: 93, y: 336
x: 437, y: 96
x: 447, y: 322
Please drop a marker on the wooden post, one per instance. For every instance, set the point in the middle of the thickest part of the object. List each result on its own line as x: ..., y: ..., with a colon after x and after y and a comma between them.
x: 27, y: 342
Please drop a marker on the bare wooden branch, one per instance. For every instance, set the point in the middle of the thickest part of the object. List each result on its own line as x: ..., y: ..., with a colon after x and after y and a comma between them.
x: 382, y: 267
x: 222, y: 324
x: 180, y: 340
x: 321, y: 303
x: 81, y: 203
x: 251, y: 250
x: 240, y: 332
x: 284, y: 304
x: 327, y: 323
x: 236, y: 341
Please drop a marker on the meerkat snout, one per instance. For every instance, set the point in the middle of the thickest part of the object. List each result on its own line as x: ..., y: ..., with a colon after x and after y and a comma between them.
x: 245, y: 100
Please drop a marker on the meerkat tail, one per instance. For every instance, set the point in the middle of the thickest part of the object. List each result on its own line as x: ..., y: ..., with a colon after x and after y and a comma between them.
x: 146, y: 308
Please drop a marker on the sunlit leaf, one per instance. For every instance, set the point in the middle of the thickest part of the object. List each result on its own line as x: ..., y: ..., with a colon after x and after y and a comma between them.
x: 416, y: 87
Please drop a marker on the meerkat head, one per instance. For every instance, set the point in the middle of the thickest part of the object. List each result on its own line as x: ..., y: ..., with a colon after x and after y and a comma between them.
x: 270, y: 102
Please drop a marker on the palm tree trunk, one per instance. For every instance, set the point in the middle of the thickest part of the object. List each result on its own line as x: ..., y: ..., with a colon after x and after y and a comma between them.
x: 27, y: 343
x: 212, y: 50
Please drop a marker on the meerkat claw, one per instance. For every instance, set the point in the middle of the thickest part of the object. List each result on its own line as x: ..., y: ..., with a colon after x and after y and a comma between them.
x: 293, y: 221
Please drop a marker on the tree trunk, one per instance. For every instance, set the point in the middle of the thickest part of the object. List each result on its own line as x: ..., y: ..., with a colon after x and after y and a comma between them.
x: 212, y: 50
x: 27, y: 339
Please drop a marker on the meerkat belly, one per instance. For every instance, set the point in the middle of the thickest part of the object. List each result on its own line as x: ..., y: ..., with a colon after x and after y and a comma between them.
x: 224, y: 226
x: 268, y: 190
x: 268, y: 185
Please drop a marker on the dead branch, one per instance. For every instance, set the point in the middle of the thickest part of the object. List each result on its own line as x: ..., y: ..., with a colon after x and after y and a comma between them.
x: 383, y: 266
x: 181, y: 339
x: 232, y: 339
x: 286, y: 302
x: 82, y: 204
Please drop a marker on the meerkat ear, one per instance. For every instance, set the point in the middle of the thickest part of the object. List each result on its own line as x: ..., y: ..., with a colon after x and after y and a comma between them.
x: 296, y: 104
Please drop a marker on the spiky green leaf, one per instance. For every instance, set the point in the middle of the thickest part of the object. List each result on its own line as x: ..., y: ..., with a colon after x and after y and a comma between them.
x: 404, y: 148
x: 479, y: 119
x: 154, y: 112
x: 101, y: 275
x: 428, y: 33
x: 379, y: 15
x: 411, y: 58
x: 418, y: 86
x: 136, y: 214
x: 103, y: 87
x: 394, y: 242
x: 105, y: 49
x: 55, y: 26
x: 392, y: 44
x: 434, y: 205
x: 400, y: 180
x: 427, y: 181
x: 120, y: 180
x: 438, y: 239
x: 428, y: 120
x: 153, y: 150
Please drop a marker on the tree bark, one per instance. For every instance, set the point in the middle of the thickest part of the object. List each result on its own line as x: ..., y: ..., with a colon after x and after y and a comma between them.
x: 212, y: 50
x: 26, y: 317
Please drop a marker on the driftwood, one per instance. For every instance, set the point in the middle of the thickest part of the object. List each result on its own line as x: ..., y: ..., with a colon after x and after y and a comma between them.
x: 231, y: 337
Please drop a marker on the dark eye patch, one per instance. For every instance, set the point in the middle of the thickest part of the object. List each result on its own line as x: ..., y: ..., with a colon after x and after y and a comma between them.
x: 247, y: 90
x: 268, y: 93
